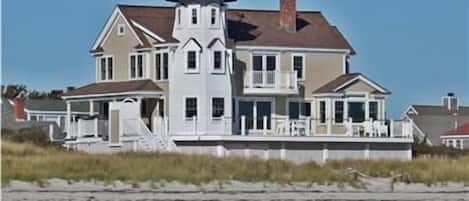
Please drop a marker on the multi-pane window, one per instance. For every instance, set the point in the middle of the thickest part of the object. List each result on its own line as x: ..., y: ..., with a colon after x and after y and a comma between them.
x: 191, y: 107
x: 213, y: 16
x: 298, y: 66
x: 105, y: 68
x: 194, y: 16
x: 191, y: 60
x: 218, y: 107
x: 322, y: 112
x: 136, y: 66
x: 217, y: 60
x: 161, y: 66
x: 374, y: 110
x: 339, y: 111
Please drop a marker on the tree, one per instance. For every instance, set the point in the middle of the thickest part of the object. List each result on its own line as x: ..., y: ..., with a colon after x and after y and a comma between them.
x: 14, y: 91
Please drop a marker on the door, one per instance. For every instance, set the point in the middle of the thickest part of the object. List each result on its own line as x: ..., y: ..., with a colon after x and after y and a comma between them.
x: 263, y: 109
x: 246, y: 108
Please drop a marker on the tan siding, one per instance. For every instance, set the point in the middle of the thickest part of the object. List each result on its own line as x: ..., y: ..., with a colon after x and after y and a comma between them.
x: 321, y: 69
x: 120, y: 47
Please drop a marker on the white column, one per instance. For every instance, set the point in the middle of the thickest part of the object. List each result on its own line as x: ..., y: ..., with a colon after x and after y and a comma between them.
x: 367, y: 107
x: 325, y: 153
x: 367, y: 151
x: 329, y: 116
x: 91, y: 108
x: 283, y: 151
x: 243, y: 125
x: 68, y: 119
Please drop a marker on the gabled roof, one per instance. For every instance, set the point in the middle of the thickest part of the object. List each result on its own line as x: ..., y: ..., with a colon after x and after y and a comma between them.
x: 245, y: 28
x: 51, y: 105
x: 461, y: 130
x: 345, y: 80
x: 114, y: 88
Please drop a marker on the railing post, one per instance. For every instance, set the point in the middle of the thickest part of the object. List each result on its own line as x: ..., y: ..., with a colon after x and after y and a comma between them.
x: 243, y: 125
x: 194, y: 121
x: 308, y: 126
x: 51, y: 132
x: 391, y: 128
x: 264, y: 125
x: 79, y: 128
x: 96, y: 127
x: 288, y: 126
x: 166, y: 125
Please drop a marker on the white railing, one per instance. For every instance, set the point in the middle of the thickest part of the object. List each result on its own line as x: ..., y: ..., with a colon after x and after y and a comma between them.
x: 280, y: 80
x: 83, y: 128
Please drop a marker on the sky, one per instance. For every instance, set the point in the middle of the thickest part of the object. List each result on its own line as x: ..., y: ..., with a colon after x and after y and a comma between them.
x: 417, y: 49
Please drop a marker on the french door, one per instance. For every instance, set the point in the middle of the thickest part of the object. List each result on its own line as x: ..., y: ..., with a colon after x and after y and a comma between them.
x: 264, y: 67
x: 254, y: 113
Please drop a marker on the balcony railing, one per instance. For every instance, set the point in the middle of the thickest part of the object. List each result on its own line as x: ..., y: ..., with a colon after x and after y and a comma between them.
x: 270, y: 82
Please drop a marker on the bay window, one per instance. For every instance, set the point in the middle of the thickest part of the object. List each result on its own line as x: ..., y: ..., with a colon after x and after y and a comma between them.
x: 373, y: 110
x: 322, y: 112
x: 339, y: 112
x: 356, y: 111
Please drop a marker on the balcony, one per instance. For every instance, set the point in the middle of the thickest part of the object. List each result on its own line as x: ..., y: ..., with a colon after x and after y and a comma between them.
x: 270, y: 82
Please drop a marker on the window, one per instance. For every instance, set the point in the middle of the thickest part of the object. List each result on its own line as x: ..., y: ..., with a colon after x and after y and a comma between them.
x: 374, y: 110
x: 120, y: 29
x: 217, y: 60
x: 339, y: 111
x: 218, y: 107
x: 194, y: 16
x: 161, y: 66
x: 297, y: 109
x: 136, y: 66
x: 356, y: 111
x: 264, y: 62
x: 213, y: 16
x: 192, y: 60
x: 105, y: 68
x: 298, y: 66
x: 322, y: 112
x: 179, y: 16
x: 191, y: 107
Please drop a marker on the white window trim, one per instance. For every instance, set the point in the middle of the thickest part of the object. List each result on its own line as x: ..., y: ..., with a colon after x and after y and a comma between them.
x: 119, y: 33
x: 212, y: 62
x: 217, y: 18
x: 144, y: 67
x: 98, y: 68
x: 197, y: 7
x: 197, y: 62
x: 303, y: 56
x: 264, y: 60
x: 319, y: 111
x: 161, y: 52
x: 189, y: 119
x: 333, y: 111
x: 211, y: 108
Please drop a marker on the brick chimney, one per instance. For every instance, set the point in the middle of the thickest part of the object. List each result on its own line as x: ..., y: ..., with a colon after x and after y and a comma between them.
x: 288, y: 15
x: 18, y: 109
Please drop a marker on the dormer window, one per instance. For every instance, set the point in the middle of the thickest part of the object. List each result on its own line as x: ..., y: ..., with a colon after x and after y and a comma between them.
x: 120, y: 29
x: 194, y: 16
x: 213, y: 16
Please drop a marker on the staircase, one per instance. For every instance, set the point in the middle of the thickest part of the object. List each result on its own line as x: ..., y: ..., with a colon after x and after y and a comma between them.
x: 150, y: 142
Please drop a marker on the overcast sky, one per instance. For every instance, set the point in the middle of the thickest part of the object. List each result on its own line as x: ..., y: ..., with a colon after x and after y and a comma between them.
x: 418, y: 49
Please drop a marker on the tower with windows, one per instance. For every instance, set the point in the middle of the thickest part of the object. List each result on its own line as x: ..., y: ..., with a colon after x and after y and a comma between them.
x: 200, y: 90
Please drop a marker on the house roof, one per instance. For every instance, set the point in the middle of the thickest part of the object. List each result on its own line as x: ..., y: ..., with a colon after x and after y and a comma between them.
x: 245, y: 27
x: 461, y: 130
x: 345, y: 80
x: 114, y: 88
x: 439, y: 110
x: 53, y: 105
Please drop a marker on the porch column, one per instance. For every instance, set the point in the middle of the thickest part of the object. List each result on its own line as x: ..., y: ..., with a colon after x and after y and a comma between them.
x: 383, y: 110
x: 329, y: 116
x: 367, y: 107
x: 68, y: 119
x: 91, y: 108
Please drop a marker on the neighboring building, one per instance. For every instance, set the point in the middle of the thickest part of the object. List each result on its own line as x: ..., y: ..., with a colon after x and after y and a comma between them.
x: 202, y: 78
x: 457, y: 138
x: 431, y: 121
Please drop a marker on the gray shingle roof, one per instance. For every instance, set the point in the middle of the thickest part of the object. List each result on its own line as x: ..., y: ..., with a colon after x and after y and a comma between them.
x: 54, y: 105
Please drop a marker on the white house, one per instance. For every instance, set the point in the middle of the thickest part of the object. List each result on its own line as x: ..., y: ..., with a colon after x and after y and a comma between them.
x: 202, y: 78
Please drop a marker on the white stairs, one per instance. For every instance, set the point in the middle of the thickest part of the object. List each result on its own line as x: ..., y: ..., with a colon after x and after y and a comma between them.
x: 151, y: 142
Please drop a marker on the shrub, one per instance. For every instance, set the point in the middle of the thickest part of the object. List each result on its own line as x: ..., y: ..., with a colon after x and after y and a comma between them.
x: 423, y: 150
x: 33, y: 135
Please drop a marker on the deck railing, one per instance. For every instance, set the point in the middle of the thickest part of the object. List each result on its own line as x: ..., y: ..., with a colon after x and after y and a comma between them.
x: 270, y: 81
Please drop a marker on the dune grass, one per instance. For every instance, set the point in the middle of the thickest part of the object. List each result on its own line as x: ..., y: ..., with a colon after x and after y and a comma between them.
x: 28, y: 162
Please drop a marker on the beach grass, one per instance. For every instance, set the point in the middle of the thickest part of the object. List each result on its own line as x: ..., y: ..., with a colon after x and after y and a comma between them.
x: 30, y: 162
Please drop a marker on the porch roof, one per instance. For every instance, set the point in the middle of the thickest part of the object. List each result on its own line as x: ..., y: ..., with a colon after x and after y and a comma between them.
x: 134, y: 87
x: 347, y: 80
